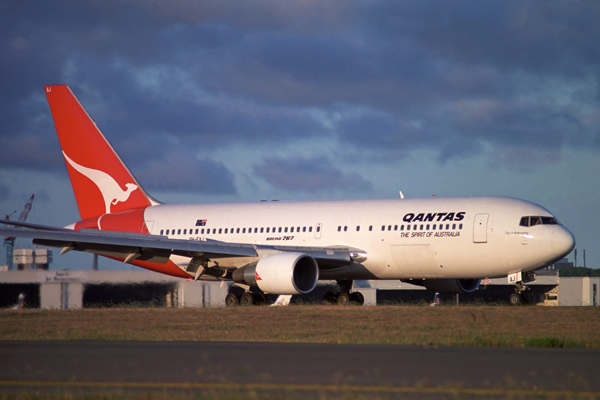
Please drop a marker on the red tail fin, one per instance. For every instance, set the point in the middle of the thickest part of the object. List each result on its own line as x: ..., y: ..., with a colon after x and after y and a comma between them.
x: 101, y: 182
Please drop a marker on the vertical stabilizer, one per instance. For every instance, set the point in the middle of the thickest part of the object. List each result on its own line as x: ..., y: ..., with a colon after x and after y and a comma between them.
x: 101, y: 182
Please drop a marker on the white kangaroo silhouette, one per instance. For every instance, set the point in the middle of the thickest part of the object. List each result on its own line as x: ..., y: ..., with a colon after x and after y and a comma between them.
x: 110, y: 189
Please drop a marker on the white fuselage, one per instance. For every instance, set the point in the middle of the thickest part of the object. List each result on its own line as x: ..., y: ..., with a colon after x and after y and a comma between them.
x: 403, y: 239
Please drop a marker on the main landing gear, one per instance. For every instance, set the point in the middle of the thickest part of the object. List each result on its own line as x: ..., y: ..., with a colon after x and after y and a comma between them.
x: 245, y: 299
x: 345, y: 295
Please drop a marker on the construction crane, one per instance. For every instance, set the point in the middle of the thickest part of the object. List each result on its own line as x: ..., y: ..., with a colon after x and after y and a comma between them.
x: 9, y: 241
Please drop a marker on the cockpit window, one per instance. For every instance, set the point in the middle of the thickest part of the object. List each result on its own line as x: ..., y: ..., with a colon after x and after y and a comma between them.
x: 524, y: 221
x: 549, y: 221
x: 537, y: 220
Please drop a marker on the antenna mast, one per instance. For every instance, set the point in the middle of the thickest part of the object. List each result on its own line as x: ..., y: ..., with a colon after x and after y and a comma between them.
x: 9, y: 241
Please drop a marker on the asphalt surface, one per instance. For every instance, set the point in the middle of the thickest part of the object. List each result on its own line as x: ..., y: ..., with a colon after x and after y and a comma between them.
x: 26, y: 366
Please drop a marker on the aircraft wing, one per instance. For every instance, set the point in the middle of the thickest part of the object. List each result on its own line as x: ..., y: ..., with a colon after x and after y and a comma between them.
x: 130, y: 246
x: 156, y: 248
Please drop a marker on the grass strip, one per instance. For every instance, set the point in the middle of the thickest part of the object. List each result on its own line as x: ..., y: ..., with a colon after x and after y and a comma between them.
x: 399, y: 325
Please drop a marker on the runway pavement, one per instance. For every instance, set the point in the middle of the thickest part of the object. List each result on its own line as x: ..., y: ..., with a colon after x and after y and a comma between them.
x: 105, y: 365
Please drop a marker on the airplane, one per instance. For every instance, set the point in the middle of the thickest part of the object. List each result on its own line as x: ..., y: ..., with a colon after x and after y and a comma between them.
x: 446, y: 245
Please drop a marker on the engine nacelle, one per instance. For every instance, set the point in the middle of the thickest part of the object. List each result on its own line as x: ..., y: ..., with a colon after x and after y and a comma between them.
x: 281, y: 273
x: 453, y: 286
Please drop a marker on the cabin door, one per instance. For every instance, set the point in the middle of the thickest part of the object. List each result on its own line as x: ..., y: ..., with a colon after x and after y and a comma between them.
x: 480, y: 228
x: 318, y: 230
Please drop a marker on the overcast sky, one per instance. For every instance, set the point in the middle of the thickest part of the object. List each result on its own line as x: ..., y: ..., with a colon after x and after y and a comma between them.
x: 293, y: 100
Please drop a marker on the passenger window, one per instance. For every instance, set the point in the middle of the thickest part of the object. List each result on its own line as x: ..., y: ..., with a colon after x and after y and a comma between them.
x: 408, y: 227
x: 292, y: 229
x: 225, y: 230
x: 310, y: 229
x: 161, y: 232
x: 433, y: 227
x: 447, y: 226
x: 202, y: 231
x: 357, y: 228
x: 261, y: 230
x: 179, y: 231
x: 279, y: 230
x: 339, y: 228
x: 401, y: 227
x: 370, y: 228
x: 389, y: 227
x: 243, y: 230
x: 345, y: 228
x: 427, y: 227
x: 460, y: 226
x: 298, y: 229
x: 285, y: 229
x: 395, y: 227
x: 220, y: 230
x: 267, y: 229
x: 318, y: 228
x: 421, y: 227
x: 255, y: 230
x: 453, y: 226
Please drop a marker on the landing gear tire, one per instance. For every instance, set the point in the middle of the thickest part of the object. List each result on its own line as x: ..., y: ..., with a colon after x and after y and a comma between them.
x: 515, y: 299
x: 232, y: 300
x: 343, y: 298
x: 247, y: 299
x: 357, y: 298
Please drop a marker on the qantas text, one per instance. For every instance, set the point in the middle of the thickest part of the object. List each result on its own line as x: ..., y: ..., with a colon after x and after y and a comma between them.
x: 437, y: 217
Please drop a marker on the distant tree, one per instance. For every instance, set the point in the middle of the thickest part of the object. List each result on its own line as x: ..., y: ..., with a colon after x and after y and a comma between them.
x: 578, y: 271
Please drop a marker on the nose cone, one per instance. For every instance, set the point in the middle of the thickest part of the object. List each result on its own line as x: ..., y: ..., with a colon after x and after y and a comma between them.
x: 562, y: 241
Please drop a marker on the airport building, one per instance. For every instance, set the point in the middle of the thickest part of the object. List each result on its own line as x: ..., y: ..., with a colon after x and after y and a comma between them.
x: 35, y: 285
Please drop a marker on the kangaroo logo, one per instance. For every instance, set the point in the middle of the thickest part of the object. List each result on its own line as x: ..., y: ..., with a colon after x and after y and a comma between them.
x: 110, y: 189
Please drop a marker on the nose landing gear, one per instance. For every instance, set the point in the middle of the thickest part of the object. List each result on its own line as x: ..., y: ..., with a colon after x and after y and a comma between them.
x: 520, y: 294
x: 515, y: 299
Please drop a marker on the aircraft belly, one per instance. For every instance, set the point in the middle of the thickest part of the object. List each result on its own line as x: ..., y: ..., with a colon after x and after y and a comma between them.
x: 352, y: 271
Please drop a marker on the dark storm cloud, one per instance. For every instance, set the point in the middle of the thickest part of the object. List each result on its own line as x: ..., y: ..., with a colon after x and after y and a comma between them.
x: 555, y: 37
x: 182, y: 172
x: 310, y: 175
x: 386, y: 78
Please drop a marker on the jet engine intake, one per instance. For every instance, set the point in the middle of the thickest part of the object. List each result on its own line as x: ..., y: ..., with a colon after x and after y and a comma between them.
x: 452, y: 286
x: 281, y: 273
